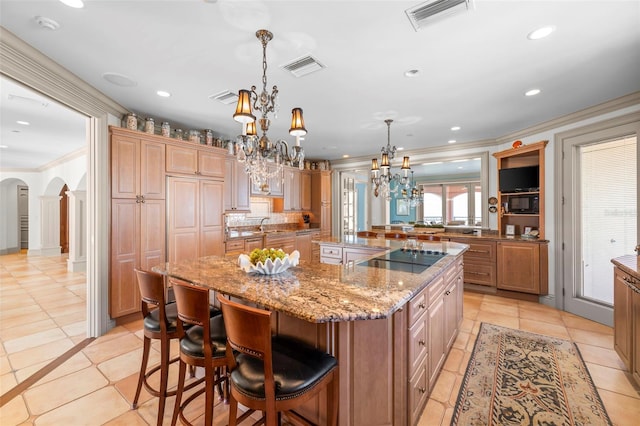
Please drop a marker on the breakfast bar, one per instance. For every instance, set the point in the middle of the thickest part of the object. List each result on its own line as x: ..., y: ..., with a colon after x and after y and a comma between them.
x: 389, y: 327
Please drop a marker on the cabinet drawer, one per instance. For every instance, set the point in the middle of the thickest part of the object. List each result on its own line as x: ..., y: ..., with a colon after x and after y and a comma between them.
x: 331, y: 251
x: 418, y: 306
x: 418, y: 393
x: 485, y: 251
x: 480, y: 273
x: 234, y: 246
x: 418, y: 339
x: 435, y: 289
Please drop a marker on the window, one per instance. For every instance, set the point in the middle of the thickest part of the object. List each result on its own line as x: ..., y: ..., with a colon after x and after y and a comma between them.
x: 458, y: 203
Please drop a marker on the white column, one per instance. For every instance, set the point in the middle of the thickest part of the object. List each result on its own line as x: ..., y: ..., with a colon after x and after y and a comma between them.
x: 50, y: 225
x: 77, y: 261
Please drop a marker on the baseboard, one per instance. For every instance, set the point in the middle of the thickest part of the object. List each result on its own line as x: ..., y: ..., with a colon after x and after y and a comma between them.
x: 10, y: 250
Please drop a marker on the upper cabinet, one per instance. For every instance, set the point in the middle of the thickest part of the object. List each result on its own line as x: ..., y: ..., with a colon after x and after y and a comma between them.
x: 291, y: 189
x: 521, y: 189
x: 321, y: 200
x: 192, y: 161
x: 137, y: 168
x: 274, y: 187
x: 236, y: 187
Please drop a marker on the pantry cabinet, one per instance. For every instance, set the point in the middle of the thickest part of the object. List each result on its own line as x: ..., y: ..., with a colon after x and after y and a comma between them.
x: 193, y: 161
x: 236, y: 187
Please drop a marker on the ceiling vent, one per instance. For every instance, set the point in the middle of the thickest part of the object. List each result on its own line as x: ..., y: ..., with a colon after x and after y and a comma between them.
x: 226, y: 97
x: 303, y: 66
x: 432, y: 10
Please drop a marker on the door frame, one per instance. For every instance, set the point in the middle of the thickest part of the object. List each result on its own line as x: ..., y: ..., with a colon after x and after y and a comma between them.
x: 603, y: 130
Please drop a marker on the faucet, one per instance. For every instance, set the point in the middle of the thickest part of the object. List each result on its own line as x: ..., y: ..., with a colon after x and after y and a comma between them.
x: 262, y: 223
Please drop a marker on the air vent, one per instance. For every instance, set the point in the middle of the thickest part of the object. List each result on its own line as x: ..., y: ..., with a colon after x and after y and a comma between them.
x: 432, y: 10
x: 303, y: 66
x: 225, y: 97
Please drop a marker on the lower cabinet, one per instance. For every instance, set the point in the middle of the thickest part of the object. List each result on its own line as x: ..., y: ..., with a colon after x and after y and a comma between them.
x: 522, y: 267
x: 303, y: 245
x: 626, y: 320
x: 339, y: 254
x: 281, y: 240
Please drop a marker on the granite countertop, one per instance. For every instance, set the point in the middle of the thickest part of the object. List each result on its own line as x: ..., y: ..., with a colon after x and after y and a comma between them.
x: 629, y: 264
x: 312, y: 291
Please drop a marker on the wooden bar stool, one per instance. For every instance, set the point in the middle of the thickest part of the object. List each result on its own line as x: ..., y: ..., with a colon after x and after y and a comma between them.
x: 395, y: 235
x: 367, y: 234
x: 160, y: 322
x: 428, y: 237
x: 203, y: 344
x: 273, y: 374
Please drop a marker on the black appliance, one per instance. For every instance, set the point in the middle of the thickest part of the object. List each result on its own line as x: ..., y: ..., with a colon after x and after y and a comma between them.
x: 412, y: 260
x: 519, y: 179
x: 524, y: 204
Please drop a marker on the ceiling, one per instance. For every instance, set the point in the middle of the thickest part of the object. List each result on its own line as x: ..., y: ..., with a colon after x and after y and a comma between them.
x: 474, y: 66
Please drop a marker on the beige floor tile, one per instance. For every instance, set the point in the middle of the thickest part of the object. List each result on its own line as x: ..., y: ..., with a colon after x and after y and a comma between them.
x: 22, y: 359
x: 73, y: 364
x: 545, y: 328
x: 46, y: 397
x: 130, y: 418
x: 100, y: 351
x: 452, y: 363
x: 591, y: 338
x: 622, y: 410
x: 22, y: 311
x: 444, y: 386
x: 104, y: 405
x: 574, y: 321
x: 499, y: 308
x: 497, y: 319
x: 74, y: 316
x: 28, y: 329
x: 75, y: 329
x: 127, y: 388
x: 601, y: 356
x: 121, y: 366
x: 461, y: 340
x: 7, y: 382
x: 456, y: 390
x: 14, y: 412
x: 5, y: 367
x: 432, y: 414
x: 33, y: 340
x: 612, y: 379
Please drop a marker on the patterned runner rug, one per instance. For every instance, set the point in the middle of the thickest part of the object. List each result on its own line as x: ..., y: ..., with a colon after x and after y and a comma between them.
x: 520, y: 378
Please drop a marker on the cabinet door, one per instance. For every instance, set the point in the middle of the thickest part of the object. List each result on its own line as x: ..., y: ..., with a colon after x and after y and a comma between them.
x: 229, y: 187
x: 276, y: 185
x: 124, y: 295
x: 241, y: 181
x: 211, y: 164
x: 325, y: 180
x: 622, y: 326
x: 125, y: 167
x: 325, y: 220
x: 436, y: 340
x: 450, y: 313
x: 303, y: 245
x: 152, y: 233
x: 210, y: 224
x: 305, y: 191
x: 182, y: 240
x: 635, y: 341
x: 152, y: 174
x: 518, y: 267
x: 182, y: 160
x: 252, y: 244
x: 291, y: 189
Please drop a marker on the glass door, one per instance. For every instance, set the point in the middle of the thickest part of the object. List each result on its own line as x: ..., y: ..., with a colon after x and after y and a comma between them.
x: 600, y: 218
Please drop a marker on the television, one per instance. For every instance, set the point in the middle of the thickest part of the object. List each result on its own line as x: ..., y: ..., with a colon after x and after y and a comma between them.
x: 519, y: 179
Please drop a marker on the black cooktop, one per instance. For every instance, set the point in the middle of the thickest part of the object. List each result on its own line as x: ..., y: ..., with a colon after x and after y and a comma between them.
x: 406, y: 260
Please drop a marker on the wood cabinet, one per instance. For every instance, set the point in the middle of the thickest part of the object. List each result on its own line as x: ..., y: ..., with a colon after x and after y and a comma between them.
x: 305, y: 190
x: 236, y: 187
x: 479, y: 261
x: 274, y: 187
x: 238, y: 246
x: 195, y: 227
x: 303, y: 245
x: 194, y: 161
x: 337, y: 254
x: 281, y: 240
x: 137, y: 216
x: 626, y: 320
x: 321, y: 200
x: 533, y: 215
x: 291, y: 189
x: 522, y: 266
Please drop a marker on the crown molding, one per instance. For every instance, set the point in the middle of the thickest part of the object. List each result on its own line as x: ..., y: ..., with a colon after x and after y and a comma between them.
x: 23, y: 63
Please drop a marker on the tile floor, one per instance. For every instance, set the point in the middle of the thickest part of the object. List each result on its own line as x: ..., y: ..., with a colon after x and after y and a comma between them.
x: 42, y: 315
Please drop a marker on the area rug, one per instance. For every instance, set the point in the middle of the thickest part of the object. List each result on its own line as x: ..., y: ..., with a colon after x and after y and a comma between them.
x: 520, y: 378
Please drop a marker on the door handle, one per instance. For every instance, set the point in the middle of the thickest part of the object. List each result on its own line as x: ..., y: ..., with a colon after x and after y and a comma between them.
x: 613, y: 241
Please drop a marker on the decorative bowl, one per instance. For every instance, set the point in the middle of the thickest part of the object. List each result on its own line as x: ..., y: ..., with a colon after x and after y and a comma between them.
x: 269, y: 267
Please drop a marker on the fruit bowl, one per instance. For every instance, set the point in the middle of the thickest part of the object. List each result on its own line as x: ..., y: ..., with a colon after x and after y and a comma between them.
x: 269, y: 266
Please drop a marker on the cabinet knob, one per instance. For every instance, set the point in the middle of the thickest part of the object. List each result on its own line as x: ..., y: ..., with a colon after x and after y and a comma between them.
x: 421, y: 390
x: 421, y: 342
x: 422, y: 306
x: 448, y: 292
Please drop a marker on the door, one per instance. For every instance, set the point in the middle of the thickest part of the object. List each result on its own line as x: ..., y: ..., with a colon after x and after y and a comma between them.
x: 348, y: 207
x: 599, y: 214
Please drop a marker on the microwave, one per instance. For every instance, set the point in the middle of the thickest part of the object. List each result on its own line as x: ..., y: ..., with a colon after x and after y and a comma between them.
x: 525, y: 204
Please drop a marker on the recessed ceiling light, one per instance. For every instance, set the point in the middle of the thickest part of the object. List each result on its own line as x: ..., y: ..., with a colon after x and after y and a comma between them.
x: 77, y: 4
x: 4, y: 146
x: 119, y: 79
x: 163, y: 93
x: 400, y: 148
x: 345, y: 156
x: 532, y: 92
x: 47, y: 23
x: 456, y: 128
x: 541, y: 32
x: 24, y: 123
x: 411, y: 73
x: 460, y: 167
x: 451, y: 141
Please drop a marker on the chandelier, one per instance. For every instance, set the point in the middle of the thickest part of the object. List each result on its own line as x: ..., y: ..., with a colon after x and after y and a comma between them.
x: 262, y: 158
x: 384, y: 182
x: 414, y: 195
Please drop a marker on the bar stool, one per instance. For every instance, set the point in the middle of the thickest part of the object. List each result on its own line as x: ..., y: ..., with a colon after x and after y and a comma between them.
x: 159, y: 323
x: 428, y: 237
x: 395, y: 235
x: 367, y: 234
x: 273, y: 374
x: 203, y: 344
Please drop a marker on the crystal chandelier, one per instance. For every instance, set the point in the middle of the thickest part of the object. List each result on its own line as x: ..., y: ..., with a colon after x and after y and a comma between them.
x: 384, y: 182
x: 262, y: 158
x: 413, y: 195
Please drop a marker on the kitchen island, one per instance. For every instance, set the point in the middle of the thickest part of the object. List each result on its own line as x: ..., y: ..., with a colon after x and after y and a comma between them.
x: 389, y: 329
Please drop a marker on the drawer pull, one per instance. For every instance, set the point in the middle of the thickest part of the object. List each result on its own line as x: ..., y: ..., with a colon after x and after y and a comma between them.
x: 422, y: 306
x: 476, y: 273
x: 477, y: 251
x: 421, y: 389
x: 421, y: 342
x: 448, y: 292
